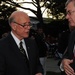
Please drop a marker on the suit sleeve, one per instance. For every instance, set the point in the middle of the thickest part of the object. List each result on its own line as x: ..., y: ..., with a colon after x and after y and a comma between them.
x: 39, y: 68
x: 69, y: 51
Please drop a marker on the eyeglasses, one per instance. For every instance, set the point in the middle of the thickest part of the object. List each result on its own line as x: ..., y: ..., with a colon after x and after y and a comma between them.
x: 27, y: 24
x: 70, y: 12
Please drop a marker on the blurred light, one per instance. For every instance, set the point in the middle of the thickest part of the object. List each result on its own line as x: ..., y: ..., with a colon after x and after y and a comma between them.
x: 51, y: 16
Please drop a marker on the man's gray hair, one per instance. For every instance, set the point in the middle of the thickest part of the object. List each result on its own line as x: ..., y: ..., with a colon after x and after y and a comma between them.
x: 68, y: 1
x: 10, y: 20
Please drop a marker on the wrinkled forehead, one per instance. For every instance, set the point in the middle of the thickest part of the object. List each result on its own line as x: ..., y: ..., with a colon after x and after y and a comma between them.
x: 22, y: 18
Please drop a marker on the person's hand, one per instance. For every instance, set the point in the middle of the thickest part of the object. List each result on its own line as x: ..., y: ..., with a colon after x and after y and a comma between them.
x: 39, y: 74
x: 66, y: 65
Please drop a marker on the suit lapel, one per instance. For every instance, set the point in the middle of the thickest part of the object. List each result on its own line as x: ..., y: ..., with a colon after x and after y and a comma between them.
x: 13, y: 46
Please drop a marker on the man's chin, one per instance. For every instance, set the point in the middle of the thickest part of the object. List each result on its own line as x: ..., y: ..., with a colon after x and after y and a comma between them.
x: 26, y: 36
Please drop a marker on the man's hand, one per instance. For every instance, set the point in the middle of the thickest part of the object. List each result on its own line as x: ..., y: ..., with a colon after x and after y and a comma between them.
x: 39, y: 74
x: 66, y: 65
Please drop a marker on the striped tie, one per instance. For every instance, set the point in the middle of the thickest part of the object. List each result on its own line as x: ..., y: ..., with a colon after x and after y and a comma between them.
x: 24, y: 53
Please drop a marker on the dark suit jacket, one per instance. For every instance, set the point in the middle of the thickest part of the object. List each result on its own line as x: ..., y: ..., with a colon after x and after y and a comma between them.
x: 12, y: 62
x: 69, y: 54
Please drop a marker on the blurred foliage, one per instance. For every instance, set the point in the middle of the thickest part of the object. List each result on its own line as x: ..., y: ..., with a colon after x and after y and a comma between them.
x: 53, y: 7
x: 56, y: 8
x: 5, y: 10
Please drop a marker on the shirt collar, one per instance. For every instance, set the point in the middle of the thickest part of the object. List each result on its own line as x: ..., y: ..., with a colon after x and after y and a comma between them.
x: 16, y: 39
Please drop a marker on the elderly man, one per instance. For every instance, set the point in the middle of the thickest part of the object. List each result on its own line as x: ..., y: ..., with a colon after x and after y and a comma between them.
x: 18, y: 53
x: 68, y: 62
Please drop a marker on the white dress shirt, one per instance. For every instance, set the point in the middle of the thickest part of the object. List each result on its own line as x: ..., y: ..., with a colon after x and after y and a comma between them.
x: 18, y: 41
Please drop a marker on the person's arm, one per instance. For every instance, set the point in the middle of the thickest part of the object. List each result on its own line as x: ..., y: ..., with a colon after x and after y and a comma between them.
x: 65, y: 61
x: 39, y: 68
x: 66, y: 66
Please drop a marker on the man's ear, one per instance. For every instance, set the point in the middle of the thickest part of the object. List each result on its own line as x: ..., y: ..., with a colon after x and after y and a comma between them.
x: 13, y: 26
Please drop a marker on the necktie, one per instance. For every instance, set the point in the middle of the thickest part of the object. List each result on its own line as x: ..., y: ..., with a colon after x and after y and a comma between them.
x: 24, y: 53
x: 21, y: 48
x: 25, y: 56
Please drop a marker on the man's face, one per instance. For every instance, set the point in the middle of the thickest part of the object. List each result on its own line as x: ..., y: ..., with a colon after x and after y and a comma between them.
x: 70, y: 14
x: 21, y: 26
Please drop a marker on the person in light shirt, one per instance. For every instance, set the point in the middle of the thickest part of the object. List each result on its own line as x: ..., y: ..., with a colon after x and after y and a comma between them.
x: 12, y: 60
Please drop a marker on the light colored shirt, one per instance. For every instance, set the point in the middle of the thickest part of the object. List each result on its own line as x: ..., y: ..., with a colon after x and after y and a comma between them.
x: 18, y: 41
x: 61, y: 67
